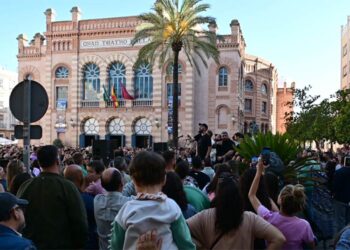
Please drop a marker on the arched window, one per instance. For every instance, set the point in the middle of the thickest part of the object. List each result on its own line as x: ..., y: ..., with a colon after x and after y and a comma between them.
x: 117, y: 77
x: 223, y: 77
x: 61, y: 72
x: 170, y: 69
x: 91, y: 82
x: 264, y: 89
x: 143, y: 82
x: 248, y: 86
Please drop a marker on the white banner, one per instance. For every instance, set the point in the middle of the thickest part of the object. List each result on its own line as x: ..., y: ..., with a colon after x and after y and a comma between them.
x: 110, y: 43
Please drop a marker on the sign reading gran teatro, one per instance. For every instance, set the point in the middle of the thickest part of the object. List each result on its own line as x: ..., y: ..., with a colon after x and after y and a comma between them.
x: 110, y: 43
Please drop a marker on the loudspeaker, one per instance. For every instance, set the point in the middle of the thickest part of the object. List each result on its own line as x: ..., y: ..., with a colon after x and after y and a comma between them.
x: 99, y: 149
x: 104, y: 149
x: 160, y: 147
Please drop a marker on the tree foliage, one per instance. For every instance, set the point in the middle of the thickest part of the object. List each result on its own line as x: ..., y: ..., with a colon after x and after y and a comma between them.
x: 327, y: 120
x: 173, y: 27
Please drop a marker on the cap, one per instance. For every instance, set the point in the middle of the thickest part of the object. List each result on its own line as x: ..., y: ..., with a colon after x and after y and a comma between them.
x: 204, y: 125
x: 224, y: 133
x: 8, y: 201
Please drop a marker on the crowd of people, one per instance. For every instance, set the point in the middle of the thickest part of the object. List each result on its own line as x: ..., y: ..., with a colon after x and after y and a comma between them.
x: 196, y: 197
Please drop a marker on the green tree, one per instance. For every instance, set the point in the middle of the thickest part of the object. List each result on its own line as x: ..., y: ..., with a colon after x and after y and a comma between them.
x: 341, y: 111
x: 172, y: 27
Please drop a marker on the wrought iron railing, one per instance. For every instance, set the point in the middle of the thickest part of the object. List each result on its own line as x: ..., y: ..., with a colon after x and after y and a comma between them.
x: 142, y: 103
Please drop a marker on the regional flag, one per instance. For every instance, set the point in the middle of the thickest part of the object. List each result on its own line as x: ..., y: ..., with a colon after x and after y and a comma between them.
x: 114, y: 98
x: 125, y: 93
x: 106, y: 97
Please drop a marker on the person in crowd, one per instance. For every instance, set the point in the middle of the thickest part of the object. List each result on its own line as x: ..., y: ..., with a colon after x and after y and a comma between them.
x: 14, y: 168
x: 170, y: 160
x: 78, y: 159
x: 12, y: 222
x: 330, y: 171
x: 203, y: 140
x: 18, y: 181
x: 183, y: 170
x: 107, y: 205
x: 292, y: 200
x: 151, y: 209
x: 208, y: 169
x: 210, y: 188
x: 227, y: 226
x: 120, y: 164
x: 35, y: 168
x: 196, y: 172
x: 224, y: 147
x: 194, y: 196
x: 245, y: 183
x: 55, y: 215
x: 341, y: 194
x: 173, y: 188
x: 342, y: 239
x: 3, y: 181
x: 95, y: 169
x: 74, y: 173
x: 237, y: 138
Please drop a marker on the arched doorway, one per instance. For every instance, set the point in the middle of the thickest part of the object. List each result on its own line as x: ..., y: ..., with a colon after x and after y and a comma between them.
x: 90, y: 133
x: 116, y: 132
x: 142, y: 137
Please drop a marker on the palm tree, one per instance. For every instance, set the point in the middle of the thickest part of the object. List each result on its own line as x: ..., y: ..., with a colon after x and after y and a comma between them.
x: 171, y: 28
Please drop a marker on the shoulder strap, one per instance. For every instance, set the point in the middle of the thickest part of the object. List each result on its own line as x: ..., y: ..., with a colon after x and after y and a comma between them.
x: 216, y: 241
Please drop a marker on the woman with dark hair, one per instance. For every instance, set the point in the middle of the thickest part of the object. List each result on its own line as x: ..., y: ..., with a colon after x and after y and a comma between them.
x: 263, y: 195
x: 18, y: 181
x: 227, y: 226
x: 173, y: 188
x: 210, y: 189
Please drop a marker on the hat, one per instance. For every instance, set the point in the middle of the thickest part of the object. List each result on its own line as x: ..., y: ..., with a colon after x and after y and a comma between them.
x: 204, y: 125
x: 8, y: 201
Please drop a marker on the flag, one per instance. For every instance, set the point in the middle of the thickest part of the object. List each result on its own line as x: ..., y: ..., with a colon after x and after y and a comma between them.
x: 114, y: 98
x: 106, y: 97
x: 125, y: 93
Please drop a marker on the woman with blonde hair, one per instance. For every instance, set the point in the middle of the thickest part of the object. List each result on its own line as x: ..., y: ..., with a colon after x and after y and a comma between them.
x: 292, y: 200
x: 14, y: 168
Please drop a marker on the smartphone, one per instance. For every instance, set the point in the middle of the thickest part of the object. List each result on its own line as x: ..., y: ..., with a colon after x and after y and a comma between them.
x: 347, y: 161
x: 265, y: 154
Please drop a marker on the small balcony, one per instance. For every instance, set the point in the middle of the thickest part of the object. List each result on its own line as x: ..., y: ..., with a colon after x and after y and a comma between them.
x: 142, y: 103
x: 90, y: 104
x: 109, y: 104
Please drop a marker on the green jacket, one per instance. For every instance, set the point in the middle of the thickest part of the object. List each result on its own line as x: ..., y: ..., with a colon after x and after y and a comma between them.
x: 196, y: 198
x: 56, y: 216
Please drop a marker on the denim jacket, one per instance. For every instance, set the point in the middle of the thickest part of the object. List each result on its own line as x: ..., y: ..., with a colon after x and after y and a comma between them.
x: 106, y: 208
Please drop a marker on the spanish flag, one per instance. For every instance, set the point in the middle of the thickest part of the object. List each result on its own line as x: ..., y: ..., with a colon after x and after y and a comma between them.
x: 114, y: 98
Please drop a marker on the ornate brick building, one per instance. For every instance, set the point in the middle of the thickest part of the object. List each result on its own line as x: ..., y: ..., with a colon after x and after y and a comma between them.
x: 345, y: 55
x: 284, y: 96
x: 76, y: 60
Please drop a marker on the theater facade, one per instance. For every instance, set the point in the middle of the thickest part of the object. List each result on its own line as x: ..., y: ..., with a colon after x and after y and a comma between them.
x: 78, y: 61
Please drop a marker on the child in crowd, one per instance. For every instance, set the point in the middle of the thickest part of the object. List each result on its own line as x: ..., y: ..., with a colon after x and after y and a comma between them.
x: 151, y: 209
x: 292, y: 200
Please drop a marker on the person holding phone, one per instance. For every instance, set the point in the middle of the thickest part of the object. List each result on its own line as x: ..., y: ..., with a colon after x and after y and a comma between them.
x: 292, y: 200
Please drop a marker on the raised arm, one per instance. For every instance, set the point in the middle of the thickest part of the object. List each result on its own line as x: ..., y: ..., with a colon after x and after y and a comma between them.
x: 254, y: 187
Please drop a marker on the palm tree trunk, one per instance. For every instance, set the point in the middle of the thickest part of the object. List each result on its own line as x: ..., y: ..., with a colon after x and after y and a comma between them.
x: 175, y: 96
